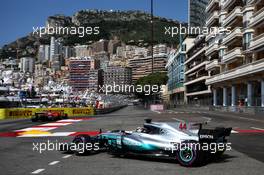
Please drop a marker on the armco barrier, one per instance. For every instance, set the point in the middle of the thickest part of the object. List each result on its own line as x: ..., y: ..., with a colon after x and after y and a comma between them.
x: 108, y: 110
x: 16, y: 113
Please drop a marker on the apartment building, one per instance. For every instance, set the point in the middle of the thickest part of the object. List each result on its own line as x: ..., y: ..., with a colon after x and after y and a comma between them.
x: 117, y: 75
x: 175, y: 68
x: 84, y: 74
x: 236, y: 58
x: 196, y: 12
x: 43, y: 53
x: 83, y: 51
x: 142, y: 66
x: 27, y: 64
x: 196, y: 91
x: 160, y: 49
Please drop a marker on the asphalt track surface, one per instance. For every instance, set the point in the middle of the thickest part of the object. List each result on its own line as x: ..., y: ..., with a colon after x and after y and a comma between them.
x: 18, y: 157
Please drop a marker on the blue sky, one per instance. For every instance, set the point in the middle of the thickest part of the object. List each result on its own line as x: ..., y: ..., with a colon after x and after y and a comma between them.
x: 19, y: 16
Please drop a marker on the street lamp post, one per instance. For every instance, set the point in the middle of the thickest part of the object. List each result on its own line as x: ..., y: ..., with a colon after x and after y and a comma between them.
x: 152, y: 38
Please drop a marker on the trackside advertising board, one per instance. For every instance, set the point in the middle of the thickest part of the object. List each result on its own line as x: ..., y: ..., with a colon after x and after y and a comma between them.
x: 15, y: 113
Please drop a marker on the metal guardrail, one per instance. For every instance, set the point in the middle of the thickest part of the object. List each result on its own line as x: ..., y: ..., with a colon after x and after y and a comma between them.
x: 108, y: 110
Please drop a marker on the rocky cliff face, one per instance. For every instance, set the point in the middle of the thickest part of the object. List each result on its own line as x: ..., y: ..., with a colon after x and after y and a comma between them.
x: 127, y: 25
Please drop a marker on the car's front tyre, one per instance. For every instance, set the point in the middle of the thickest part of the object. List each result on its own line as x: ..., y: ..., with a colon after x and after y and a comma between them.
x: 80, y: 143
x: 34, y: 119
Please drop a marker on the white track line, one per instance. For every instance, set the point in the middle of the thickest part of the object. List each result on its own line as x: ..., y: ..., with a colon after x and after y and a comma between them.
x: 62, y: 133
x: 37, y: 171
x: 234, y: 132
x: 179, y: 120
x: 157, y: 112
x: 207, y: 118
x: 67, y: 156
x: 256, y: 128
x: 55, y: 124
x: 54, y: 162
x: 55, y: 134
x: 70, y: 120
x: 37, y: 128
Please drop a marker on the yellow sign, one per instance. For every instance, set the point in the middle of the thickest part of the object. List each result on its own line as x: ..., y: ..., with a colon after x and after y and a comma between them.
x: 15, y: 113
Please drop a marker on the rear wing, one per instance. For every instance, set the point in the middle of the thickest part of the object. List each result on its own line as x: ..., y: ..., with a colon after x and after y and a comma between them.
x: 214, y: 134
x: 206, y: 134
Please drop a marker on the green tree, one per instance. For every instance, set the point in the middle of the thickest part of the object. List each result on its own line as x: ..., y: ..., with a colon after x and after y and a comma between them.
x: 157, y: 78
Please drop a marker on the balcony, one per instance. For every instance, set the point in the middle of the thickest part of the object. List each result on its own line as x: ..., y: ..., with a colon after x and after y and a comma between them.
x: 202, y: 78
x: 196, y: 67
x: 211, y: 49
x: 257, y: 18
x: 250, y: 2
x: 228, y: 3
x: 212, y: 64
x: 257, y: 43
x: 212, y: 18
x: 232, y: 55
x: 208, y: 91
x: 236, y: 33
x: 210, y: 35
x: 233, y: 15
x: 198, y: 53
x: 212, y: 5
x: 239, y: 72
x: 254, y: 2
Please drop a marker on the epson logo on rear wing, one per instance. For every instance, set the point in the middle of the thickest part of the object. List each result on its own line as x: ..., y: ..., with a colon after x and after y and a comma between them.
x: 206, y: 136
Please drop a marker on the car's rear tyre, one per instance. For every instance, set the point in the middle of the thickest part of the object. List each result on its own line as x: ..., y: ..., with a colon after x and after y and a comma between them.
x: 34, y: 119
x: 65, y: 148
x: 80, y: 143
x: 189, y: 155
x: 65, y: 116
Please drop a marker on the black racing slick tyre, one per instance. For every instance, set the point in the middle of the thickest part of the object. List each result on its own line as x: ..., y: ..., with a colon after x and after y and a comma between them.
x: 34, y: 119
x: 79, y: 144
x: 65, y: 116
x: 189, y: 154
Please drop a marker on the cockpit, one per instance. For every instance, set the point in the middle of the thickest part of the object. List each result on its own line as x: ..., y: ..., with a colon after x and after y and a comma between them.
x: 149, y: 129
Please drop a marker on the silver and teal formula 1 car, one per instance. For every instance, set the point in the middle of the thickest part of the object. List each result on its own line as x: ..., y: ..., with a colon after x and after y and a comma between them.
x: 189, y: 143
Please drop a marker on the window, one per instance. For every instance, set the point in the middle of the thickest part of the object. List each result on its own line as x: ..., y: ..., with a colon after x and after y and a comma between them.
x: 221, y: 53
x: 183, y: 47
x: 246, y: 40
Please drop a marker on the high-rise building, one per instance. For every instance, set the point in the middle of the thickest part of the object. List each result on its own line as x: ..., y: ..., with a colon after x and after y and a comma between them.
x: 27, y: 64
x: 196, y: 12
x: 160, y: 49
x: 236, y: 58
x: 95, y: 80
x: 196, y: 91
x: 175, y: 67
x: 100, y: 46
x: 52, y: 47
x: 117, y: 75
x: 57, y: 62
x: 103, y: 57
x: 68, y: 52
x: 43, y: 53
x: 142, y: 66
x: 83, y: 73
x: 83, y: 51
x: 112, y: 45
x: 55, y: 47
